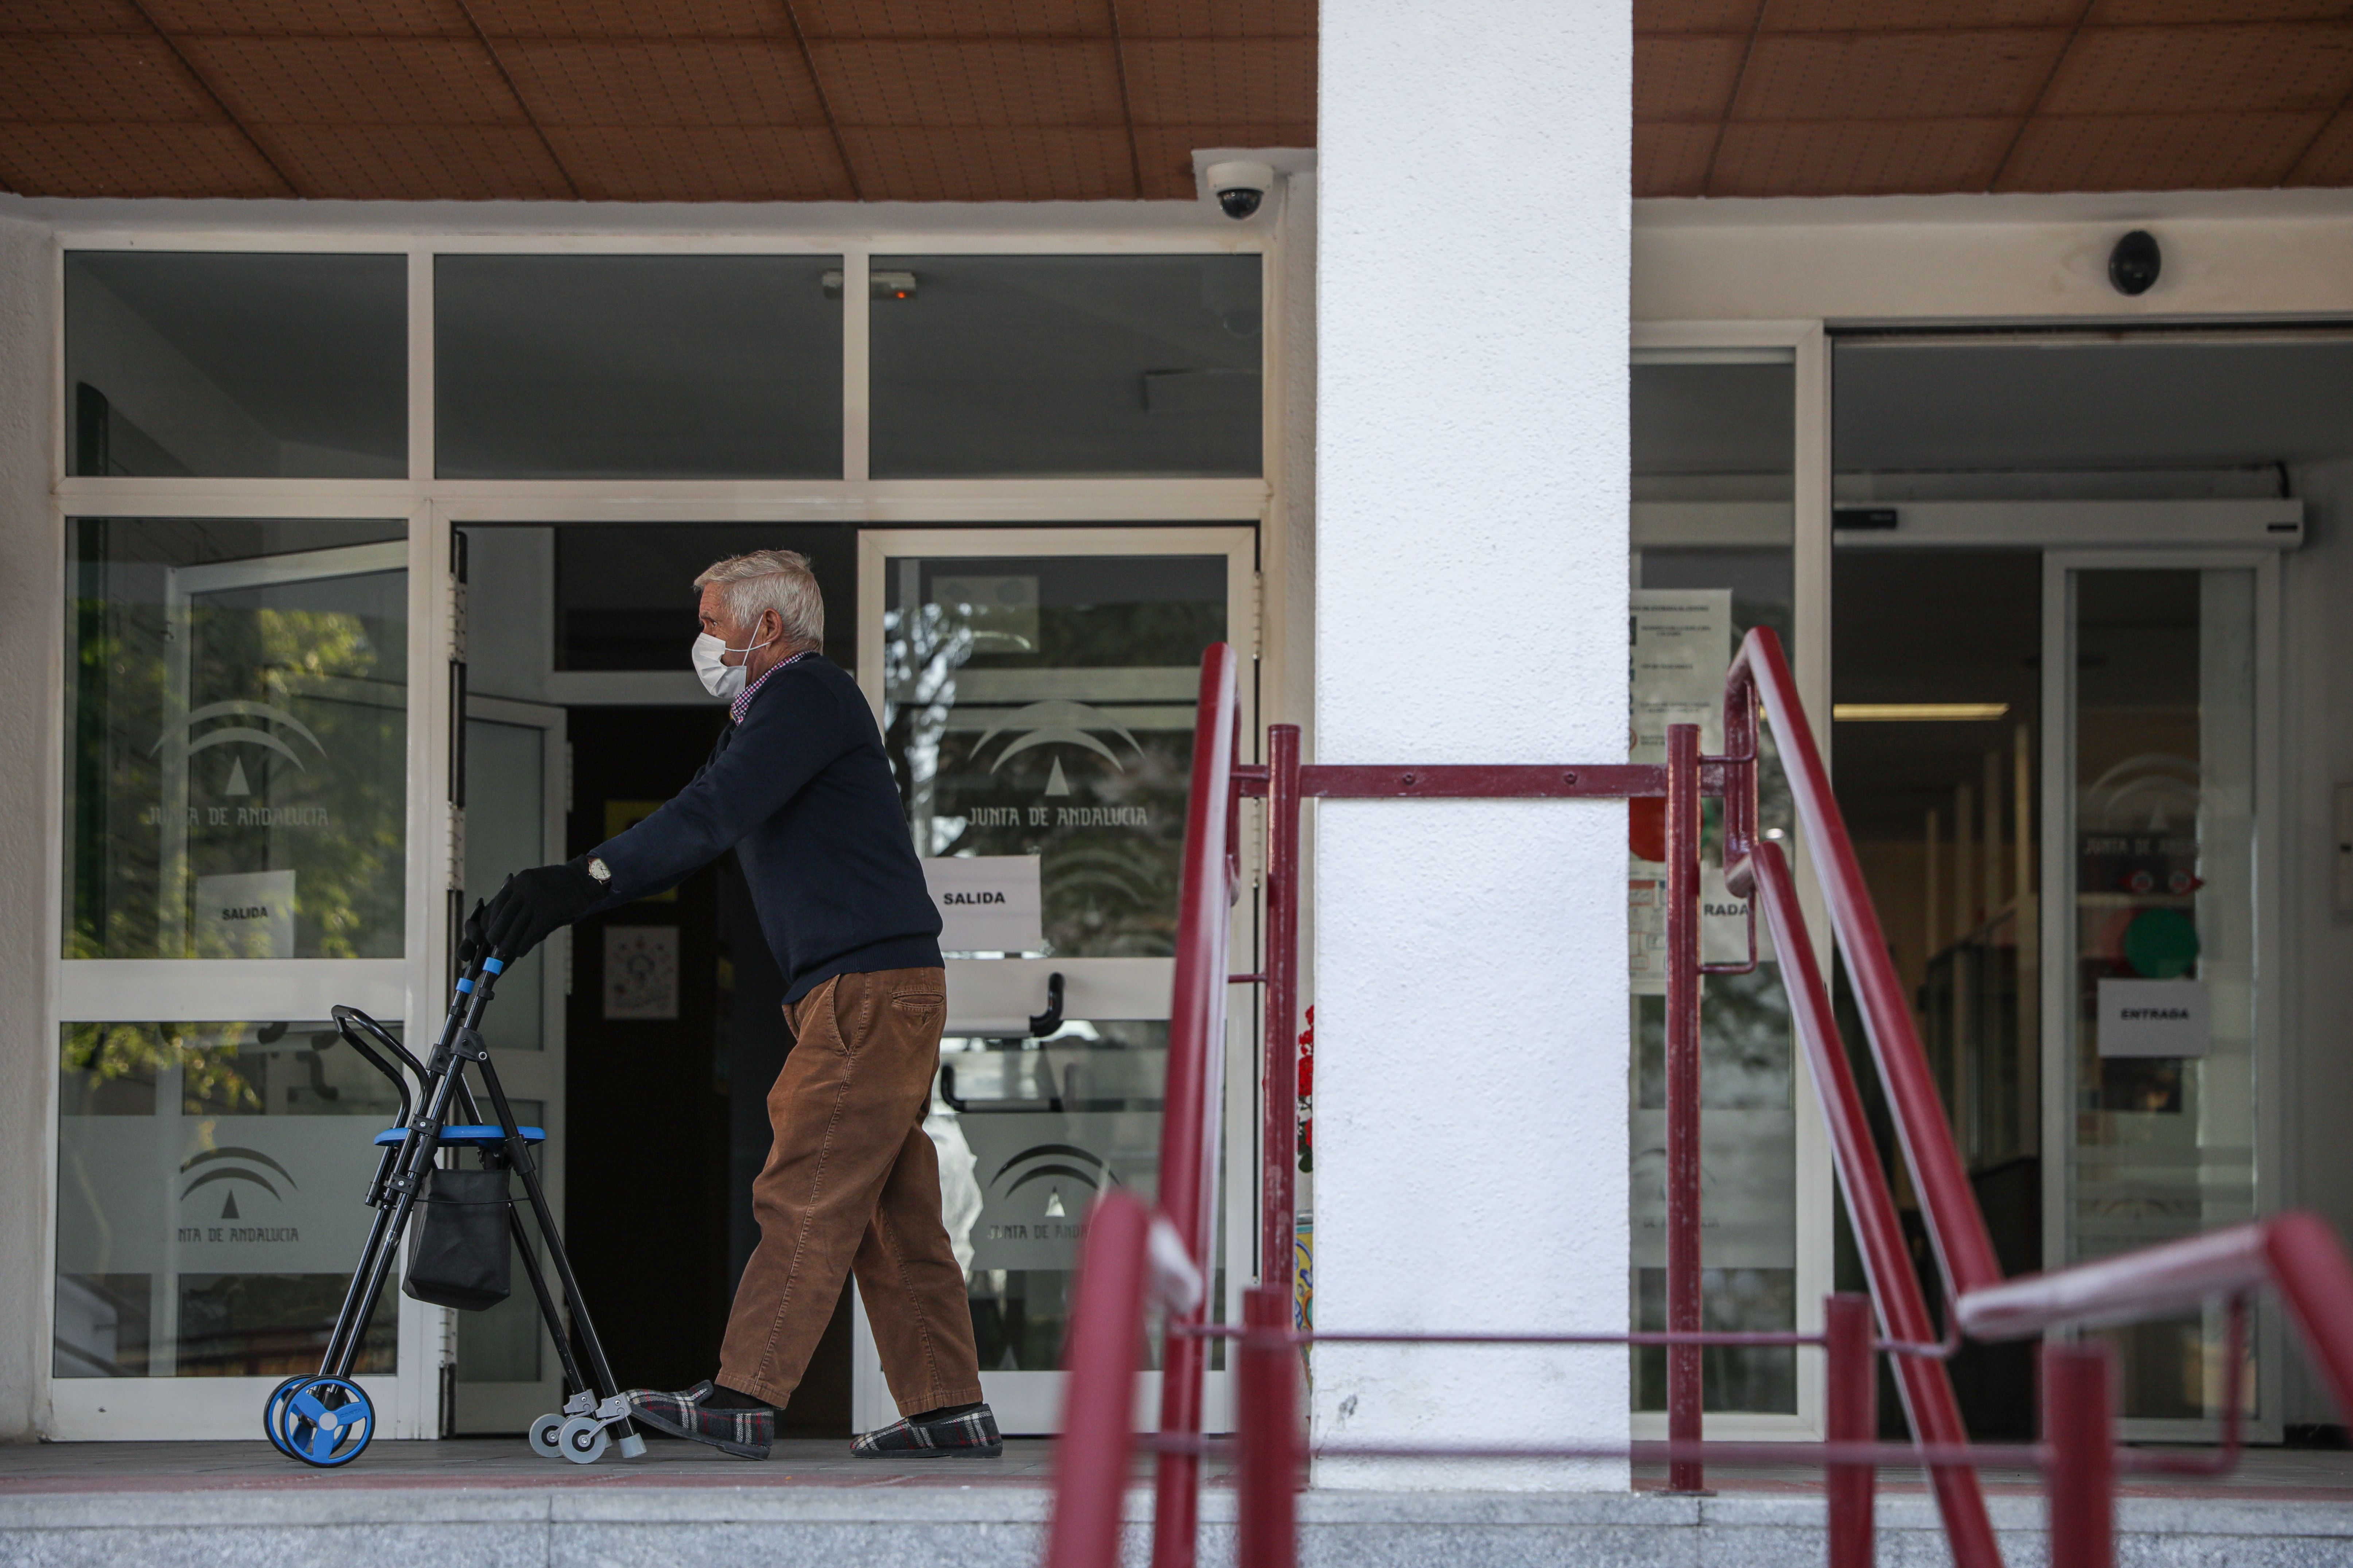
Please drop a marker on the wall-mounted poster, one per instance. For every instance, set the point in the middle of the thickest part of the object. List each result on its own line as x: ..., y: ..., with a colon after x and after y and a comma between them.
x: 641, y: 971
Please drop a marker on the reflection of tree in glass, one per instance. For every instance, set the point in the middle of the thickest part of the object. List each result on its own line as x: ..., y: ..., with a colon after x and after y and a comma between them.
x: 97, y: 1055
x: 341, y: 674
x: 922, y: 651
x: 1743, y: 1044
x: 335, y: 813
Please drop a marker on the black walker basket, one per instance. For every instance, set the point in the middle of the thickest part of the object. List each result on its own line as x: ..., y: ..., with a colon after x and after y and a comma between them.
x: 469, y: 1234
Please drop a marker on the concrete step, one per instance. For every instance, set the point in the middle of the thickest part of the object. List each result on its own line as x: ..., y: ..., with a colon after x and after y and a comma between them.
x: 889, y: 1521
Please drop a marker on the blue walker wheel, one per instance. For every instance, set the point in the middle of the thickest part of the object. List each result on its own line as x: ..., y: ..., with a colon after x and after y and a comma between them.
x: 324, y: 1422
x: 275, y: 1403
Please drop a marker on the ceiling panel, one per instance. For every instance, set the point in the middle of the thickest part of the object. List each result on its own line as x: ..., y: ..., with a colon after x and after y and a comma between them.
x: 702, y: 163
x: 1838, y: 16
x: 1686, y: 76
x: 1694, y: 16
x: 1029, y: 163
x: 1215, y: 18
x: 2148, y: 152
x: 2178, y: 70
x: 1895, y: 76
x: 1174, y: 80
x: 944, y: 19
x: 632, y: 18
x: 359, y: 81
x: 71, y: 17
x: 98, y: 77
x: 416, y: 162
x: 159, y: 160
x: 729, y: 82
x: 2329, y: 160
x: 985, y: 84
x: 1080, y: 100
x: 1858, y: 157
x: 277, y: 18
x: 2156, y: 13
x: 1670, y: 157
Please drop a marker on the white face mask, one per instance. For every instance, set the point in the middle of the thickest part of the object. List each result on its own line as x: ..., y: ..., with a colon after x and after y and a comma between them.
x: 719, y: 678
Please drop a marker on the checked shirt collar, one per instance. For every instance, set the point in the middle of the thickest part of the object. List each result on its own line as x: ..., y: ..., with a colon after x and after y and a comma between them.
x: 743, y: 703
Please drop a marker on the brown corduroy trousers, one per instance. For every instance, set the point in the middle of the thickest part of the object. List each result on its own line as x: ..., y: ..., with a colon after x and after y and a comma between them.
x: 853, y: 1182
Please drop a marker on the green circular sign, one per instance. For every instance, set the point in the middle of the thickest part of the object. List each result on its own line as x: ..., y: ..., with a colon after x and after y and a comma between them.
x: 2161, y: 945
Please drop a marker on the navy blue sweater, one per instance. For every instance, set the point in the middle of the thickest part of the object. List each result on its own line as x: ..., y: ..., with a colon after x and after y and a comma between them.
x: 802, y: 792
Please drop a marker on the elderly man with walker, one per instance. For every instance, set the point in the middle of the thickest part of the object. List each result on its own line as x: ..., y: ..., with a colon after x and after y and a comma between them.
x: 800, y: 787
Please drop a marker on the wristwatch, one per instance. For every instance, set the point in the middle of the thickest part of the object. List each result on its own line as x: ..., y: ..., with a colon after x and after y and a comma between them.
x: 600, y: 871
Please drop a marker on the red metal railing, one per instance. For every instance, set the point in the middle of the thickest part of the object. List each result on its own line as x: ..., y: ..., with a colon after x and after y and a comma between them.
x: 1132, y: 1260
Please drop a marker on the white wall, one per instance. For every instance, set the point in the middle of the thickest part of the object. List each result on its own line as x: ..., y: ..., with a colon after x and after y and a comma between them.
x: 1470, y: 606
x: 29, y: 672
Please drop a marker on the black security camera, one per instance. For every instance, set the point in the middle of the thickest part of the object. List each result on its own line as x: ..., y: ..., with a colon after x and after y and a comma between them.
x: 2134, y: 264
x: 1240, y: 187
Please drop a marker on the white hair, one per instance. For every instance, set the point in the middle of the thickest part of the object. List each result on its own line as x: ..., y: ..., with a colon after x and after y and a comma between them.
x: 778, y: 580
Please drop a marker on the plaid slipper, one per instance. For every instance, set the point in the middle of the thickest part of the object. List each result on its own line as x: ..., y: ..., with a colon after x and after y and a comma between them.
x: 745, y: 1434
x: 971, y: 1436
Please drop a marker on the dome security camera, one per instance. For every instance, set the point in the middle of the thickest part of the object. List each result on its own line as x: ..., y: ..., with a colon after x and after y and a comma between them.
x: 1240, y: 187
x: 2133, y: 265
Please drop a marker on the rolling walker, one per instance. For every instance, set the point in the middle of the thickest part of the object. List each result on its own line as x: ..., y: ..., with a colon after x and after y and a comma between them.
x: 461, y: 1258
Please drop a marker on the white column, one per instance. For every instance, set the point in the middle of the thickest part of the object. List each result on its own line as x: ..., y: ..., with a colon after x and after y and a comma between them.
x: 1471, y: 603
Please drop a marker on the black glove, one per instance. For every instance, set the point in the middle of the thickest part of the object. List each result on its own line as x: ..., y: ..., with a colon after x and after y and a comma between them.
x: 535, y: 903
x: 472, y: 943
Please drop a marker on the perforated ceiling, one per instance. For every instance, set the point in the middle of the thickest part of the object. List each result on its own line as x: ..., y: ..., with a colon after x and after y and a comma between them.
x: 1092, y: 100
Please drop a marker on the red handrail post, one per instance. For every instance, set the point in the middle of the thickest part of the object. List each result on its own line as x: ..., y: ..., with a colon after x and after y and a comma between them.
x: 1279, y: 1215
x: 1099, y: 1392
x: 1267, y: 1429
x: 1685, y: 1418
x: 1853, y: 1417
x: 1196, y: 1064
x: 2081, y: 1471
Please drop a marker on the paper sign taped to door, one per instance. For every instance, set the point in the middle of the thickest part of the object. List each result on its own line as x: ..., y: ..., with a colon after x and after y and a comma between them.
x: 2153, y: 1018
x: 246, y: 914
x: 989, y: 904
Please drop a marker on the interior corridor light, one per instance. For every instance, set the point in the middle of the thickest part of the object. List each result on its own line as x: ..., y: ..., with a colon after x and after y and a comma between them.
x: 1916, y: 712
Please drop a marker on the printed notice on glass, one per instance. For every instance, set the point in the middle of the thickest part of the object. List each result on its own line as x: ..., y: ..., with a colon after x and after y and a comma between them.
x: 1682, y: 646
x: 989, y: 904
x: 246, y: 914
x: 2153, y: 1018
x: 641, y: 971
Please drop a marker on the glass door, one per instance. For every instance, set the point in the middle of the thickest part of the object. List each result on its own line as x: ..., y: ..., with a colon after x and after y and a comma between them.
x: 507, y: 1373
x: 1036, y: 689
x: 236, y: 815
x: 2159, y: 691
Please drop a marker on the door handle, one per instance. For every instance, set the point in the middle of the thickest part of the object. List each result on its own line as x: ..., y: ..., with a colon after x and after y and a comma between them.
x: 1046, y: 1023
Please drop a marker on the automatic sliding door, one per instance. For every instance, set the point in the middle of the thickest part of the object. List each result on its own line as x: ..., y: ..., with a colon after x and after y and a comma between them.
x: 2155, y: 950
x: 1037, y: 693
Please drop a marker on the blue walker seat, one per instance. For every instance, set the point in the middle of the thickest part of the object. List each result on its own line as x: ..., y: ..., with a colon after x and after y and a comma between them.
x: 465, y: 1135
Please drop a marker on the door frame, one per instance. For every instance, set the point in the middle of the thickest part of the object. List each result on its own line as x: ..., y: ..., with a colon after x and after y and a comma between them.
x: 174, y: 990
x: 506, y: 1407
x: 1807, y: 347
x: 2270, y: 909
x: 1030, y: 1401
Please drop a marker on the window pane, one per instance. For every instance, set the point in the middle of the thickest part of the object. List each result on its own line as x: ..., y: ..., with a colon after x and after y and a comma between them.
x: 637, y: 367
x: 1714, y: 493
x: 237, y: 367
x: 210, y: 1178
x: 236, y: 777
x: 1041, y: 707
x: 1067, y: 364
